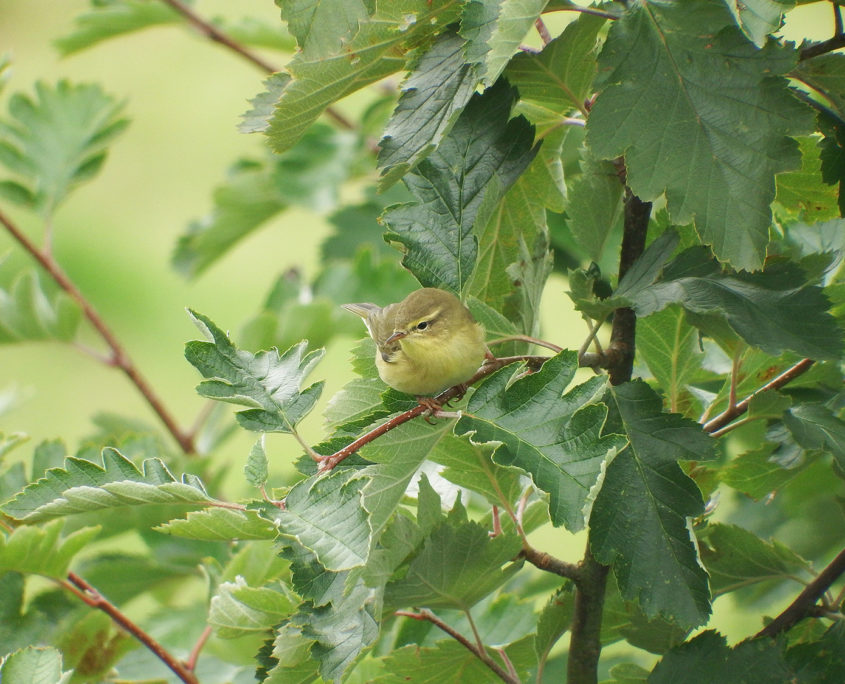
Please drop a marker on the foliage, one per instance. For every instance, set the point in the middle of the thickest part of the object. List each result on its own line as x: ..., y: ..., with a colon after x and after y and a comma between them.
x: 681, y: 155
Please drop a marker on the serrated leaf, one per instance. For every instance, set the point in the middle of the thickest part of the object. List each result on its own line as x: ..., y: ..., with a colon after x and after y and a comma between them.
x: 595, y: 206
x: 83, y: 486
x: 27, y: 313
x: 709, y: 656
x: 821, y: 661
x: 42, y: 550
x: 687, y: 98
x: 758, y: 473
x: 814, y: 426
x: 737, y: 558
x: 433, y: 96
x: 220, y: 524
x: 58, y: 139
x: 321, y: 28
x: 458, y: 186
x: 555, y: 619
x: 267, y: 381
x: 326, y: 515
x: 639, y: 520
x: 759, y: 18
x: 495, y: 30
x: 34, y: 665
x: 670, y: 348
x: 554, y: 437
x: 824, y: 74
x: 256, y: 468
x: 803, y: 192
x: 238, y: 609
x: 458, y: 565
x: 375, y: 51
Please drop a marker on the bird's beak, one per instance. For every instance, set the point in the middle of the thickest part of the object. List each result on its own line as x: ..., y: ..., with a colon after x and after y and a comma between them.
x: 397, y: 335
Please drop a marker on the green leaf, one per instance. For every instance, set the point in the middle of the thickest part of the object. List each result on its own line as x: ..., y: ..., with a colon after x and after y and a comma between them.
x: 256, y: 468
x: 58, y: 140
x: 13, y: 440
x: 238, y: 609
x: 821, y: 661
x: 42, y: 550
x: 34, y: 665
x: 458, y: 565
x: 323, y: 27
x: 267, y: 381
x: 495, y: 30
x: 113, y: 19
x: 433, y: 96
x: 824, y: 74
x: 758, y: 473
x: 699, y: 113
x: 334, y: 70
x: 554, y: 437
x: 759, y: 18
x: 737, y: 558
x: 558, y: 80
x: 310, y: 175
x: 803, y: 192
x: 457, y: 187
x: 670, y: 348
x: 220, y: 524
x: 325, y: 515
x: 83, y: 486
x: 775, y: 309
x: 639, y: 520
x: 814, y: 426
x: 27, y: 313
x: 709, y: 656
x: 555, y: 619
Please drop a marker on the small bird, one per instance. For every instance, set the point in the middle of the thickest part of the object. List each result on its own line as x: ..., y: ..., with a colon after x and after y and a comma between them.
x: 426, y: 343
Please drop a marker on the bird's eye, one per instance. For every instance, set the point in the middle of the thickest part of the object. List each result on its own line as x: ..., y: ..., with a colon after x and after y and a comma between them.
x: 422, y: 326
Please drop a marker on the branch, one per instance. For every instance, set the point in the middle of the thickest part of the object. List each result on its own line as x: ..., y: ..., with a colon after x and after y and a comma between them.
x: 119, y: 357
x: 191, y: 663
x: 477, y: 651
x: 332, y: 460
x: 805, y: 604
x: 213, y: 33
x: 818, y: 49
x: 543, y: 561
x: 741, y: 407
x: 93, y: 598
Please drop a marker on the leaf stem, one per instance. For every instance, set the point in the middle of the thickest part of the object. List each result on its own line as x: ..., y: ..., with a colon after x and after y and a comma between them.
x: 89, y: 595
x: 805, y: 603
x: 191, y: 663
x: 478, y: 651
x: 119, y: 357
x: 543, y: 30
x: 720, y: 421
x: 211, y: 32
x: 526, y: 338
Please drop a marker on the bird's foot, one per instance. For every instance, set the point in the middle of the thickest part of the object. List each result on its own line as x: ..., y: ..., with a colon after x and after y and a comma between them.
x: 431, y: 405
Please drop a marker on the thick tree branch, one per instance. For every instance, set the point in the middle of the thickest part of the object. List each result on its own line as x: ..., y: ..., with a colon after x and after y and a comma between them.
x: 818, y: 49
x: 805, y: 604
x: 477, y: 651
x: 119, y: 357
x: 543, y: 561
x: 93, y: 598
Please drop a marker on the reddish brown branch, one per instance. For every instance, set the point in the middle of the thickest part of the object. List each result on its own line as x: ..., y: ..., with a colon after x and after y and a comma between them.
x: 332, y: 460
x: 739, y: 408
x: 191, y: 662
x: 477, y: 651
x: 211, y: 32
x: 805, y: 604
x: 93, y: 598
x: 119, y: 357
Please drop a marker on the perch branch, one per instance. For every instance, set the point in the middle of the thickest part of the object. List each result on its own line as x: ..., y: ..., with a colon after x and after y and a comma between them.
x: 119, y: 357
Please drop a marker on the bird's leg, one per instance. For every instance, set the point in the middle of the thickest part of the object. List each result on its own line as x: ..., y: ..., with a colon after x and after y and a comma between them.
x: 432, y: 406
x: 462, y: 390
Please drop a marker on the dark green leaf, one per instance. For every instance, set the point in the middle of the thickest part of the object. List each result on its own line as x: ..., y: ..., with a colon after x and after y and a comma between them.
x: 268, y: 381
x: 759, y: 18
x: 595, y: 206
x: 27, y: 313
x: 58, y: 139
x: 555, y: 619
x: 639, y: 520
x: 555, y: 437
x: 813, y: 426
x: 804, y: 193
x: 457, y: 187
x: 433, y: 96
x: 699, y: 114
x: 822, y: 661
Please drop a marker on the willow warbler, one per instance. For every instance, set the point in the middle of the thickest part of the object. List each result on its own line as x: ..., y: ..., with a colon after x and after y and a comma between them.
x: 427, y: 342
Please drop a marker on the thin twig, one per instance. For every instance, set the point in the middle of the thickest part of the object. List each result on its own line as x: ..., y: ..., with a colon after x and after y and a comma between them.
x: 119, y: 357
x: 508, y: 664
x: 213, y: 33
x: 735, y: 365
x: 590, y: 10
x: 741, y: 407
x: 191, y: 662
x: 543, y: 561
x: 822, y: 48
x: 526, y: 338
x: 479, y: 653
x: 594, y: 329
x: 332, y: 460
x: 93, y: 598
x: 543, y: 30
x: 805, y: 603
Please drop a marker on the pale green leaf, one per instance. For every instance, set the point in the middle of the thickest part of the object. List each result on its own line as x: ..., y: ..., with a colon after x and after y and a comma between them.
x: 322, y: 27
x: 758, y: 473
x: 759, y: 18
x: 43, y: 550
x: 34, y: 665
x: 803, y: 192
x: 699, y: 113
x: 27, y: 313
x: 220, y: 524
x: 256, y: 469
x: 554, y: 437
x: 433, y: 96
x: 459, y: 186
x: 58, y: 139
x: 639, y: 520
x: 268, y: 382
x: 238, y: 609
x: 595, y: 206
x: 553, y: 622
